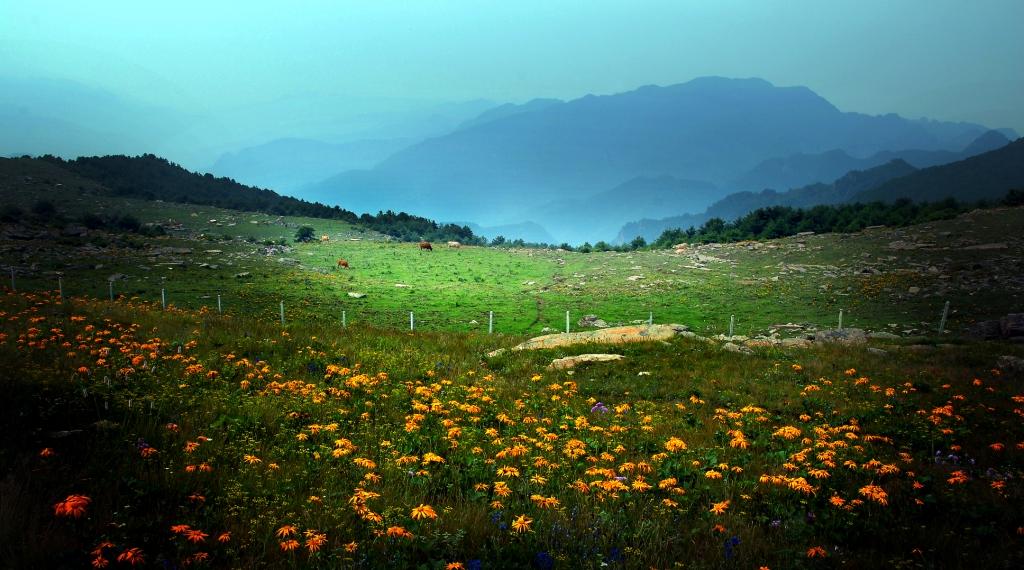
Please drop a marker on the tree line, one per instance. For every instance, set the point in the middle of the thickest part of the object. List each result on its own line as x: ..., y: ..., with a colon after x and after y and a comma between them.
x: 150, y: 177
x: 782, y: 221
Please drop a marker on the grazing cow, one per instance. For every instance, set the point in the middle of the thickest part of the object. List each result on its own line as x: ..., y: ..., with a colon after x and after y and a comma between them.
x: 342, y: 264
x: 426, y: 245
x: 325, y: 238
x: 454, y: 244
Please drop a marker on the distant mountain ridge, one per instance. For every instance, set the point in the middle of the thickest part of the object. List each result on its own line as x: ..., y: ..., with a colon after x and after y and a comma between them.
x: 288, y: 164
x: 500, y: 167
x: 802, y: 169
x: 985, y: 176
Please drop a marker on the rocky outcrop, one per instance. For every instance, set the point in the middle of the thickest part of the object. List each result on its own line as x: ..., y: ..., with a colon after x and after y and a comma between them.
x: 613, y: 335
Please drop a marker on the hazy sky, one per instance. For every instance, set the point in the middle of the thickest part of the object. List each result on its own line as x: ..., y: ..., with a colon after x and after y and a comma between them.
x: 947, y: 59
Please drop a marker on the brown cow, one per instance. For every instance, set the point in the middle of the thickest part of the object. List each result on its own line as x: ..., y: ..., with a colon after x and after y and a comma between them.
x: 426, y: 245
x: 342, y: 264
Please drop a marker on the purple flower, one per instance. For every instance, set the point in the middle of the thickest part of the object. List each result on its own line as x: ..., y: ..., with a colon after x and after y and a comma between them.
x: 599, y: 407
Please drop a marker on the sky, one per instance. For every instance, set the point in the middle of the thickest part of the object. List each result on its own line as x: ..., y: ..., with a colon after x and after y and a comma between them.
x: 945, y: 59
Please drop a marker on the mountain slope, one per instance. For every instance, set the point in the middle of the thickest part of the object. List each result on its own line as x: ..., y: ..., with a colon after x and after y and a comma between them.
x: 733, y: 206
x: 707, y: 129
x: 290, y: 163
x: 986, y: 176
x: 802, y: 169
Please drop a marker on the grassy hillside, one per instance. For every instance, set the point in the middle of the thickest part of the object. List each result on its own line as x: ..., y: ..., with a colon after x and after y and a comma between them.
x: 180, y: 438
x: 803, y: 279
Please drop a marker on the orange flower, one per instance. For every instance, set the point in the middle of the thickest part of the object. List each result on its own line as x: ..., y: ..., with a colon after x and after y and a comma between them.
x: 289, y: 545
x: 816, y: 552
x: 73, y: 506
x: 133, y: 556
x: 351, y: 546
x: 719, y: 508
x: 286, y: 531
x: 195, y: 536
x: 47, y: 452
x: 224, y: 537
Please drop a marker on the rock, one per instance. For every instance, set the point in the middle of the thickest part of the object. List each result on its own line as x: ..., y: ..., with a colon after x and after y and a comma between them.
x: 355, y: 295
x: 882, y: 335
x: 918, y: 348
x: 914, y: 290
x: 495, y: 353
x: 571, y: 361
x: 1012, y: 325
x: 841, y: 336
x: 74, y: 230
x: 401, y: 285
x: 242, y: 275
x: 117, y: 277
x: 984, y: 330
x: 795, y: 343
x: 736, y: 348
x: 592, y: 321
x: 613, y: 335
x: 635, y: 277
x: 1011, y: 364
x: 877, y: 351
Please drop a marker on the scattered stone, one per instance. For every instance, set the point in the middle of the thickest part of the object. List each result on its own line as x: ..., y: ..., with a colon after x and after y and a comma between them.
x: 987, y: 246
x: 572, y: 361
x: 731, y: 347
x: 355, y: 295
x: 883, y: 335
x: 795, y: 343
x: 1012, y: 325
x: 841, y: 336
x: 117, y: 277
x: 635, y: 277
x: 592, y: 321
x: 242, y: 275
x: 877, y: 351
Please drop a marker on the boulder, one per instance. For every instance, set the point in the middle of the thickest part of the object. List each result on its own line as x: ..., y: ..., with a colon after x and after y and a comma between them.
x: 612, y: 335
x: 355, y: 295
x: 883, y: 335
x: 984, y: 330
x: 572, y: 361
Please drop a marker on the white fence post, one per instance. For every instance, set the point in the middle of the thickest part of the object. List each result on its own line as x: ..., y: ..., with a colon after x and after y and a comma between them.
x: 490, y: 322
x: 282, y: 312
x: 219, y: 308
x: 412, y: 321
x: 650, y: 319
x: 840, y: 319
x: 945, y: 313
x: 111, y: 283
x: 163, y: 298
x: 732, y: 324
x: 343, y: 323
x: 60, y: 288
x: 13, y: 288
x: 567, y: 321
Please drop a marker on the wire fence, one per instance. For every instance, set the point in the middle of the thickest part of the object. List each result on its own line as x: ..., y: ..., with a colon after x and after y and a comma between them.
x: 351, y: 312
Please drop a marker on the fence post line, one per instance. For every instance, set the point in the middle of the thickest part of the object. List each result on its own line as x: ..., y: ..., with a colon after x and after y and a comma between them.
x: 282, y: 312
x: 110, y: 282
x: 732, y: 324
x: 163, y: 298
x: 412, y: 321
x: 567, y: 322
x: 840, y: 319
x: 219, y: 308
x: 945, y: 313
x: 650, y: 319
x: 343, y: 323
x: 490, y: 322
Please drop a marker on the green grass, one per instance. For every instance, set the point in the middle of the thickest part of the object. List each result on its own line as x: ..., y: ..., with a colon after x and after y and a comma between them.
x: 259, y: 404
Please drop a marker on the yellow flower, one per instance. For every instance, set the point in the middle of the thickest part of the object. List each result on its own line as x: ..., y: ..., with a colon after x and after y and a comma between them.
x: 522, y: 523
x: 719, y: 508
x: 423, y: 512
